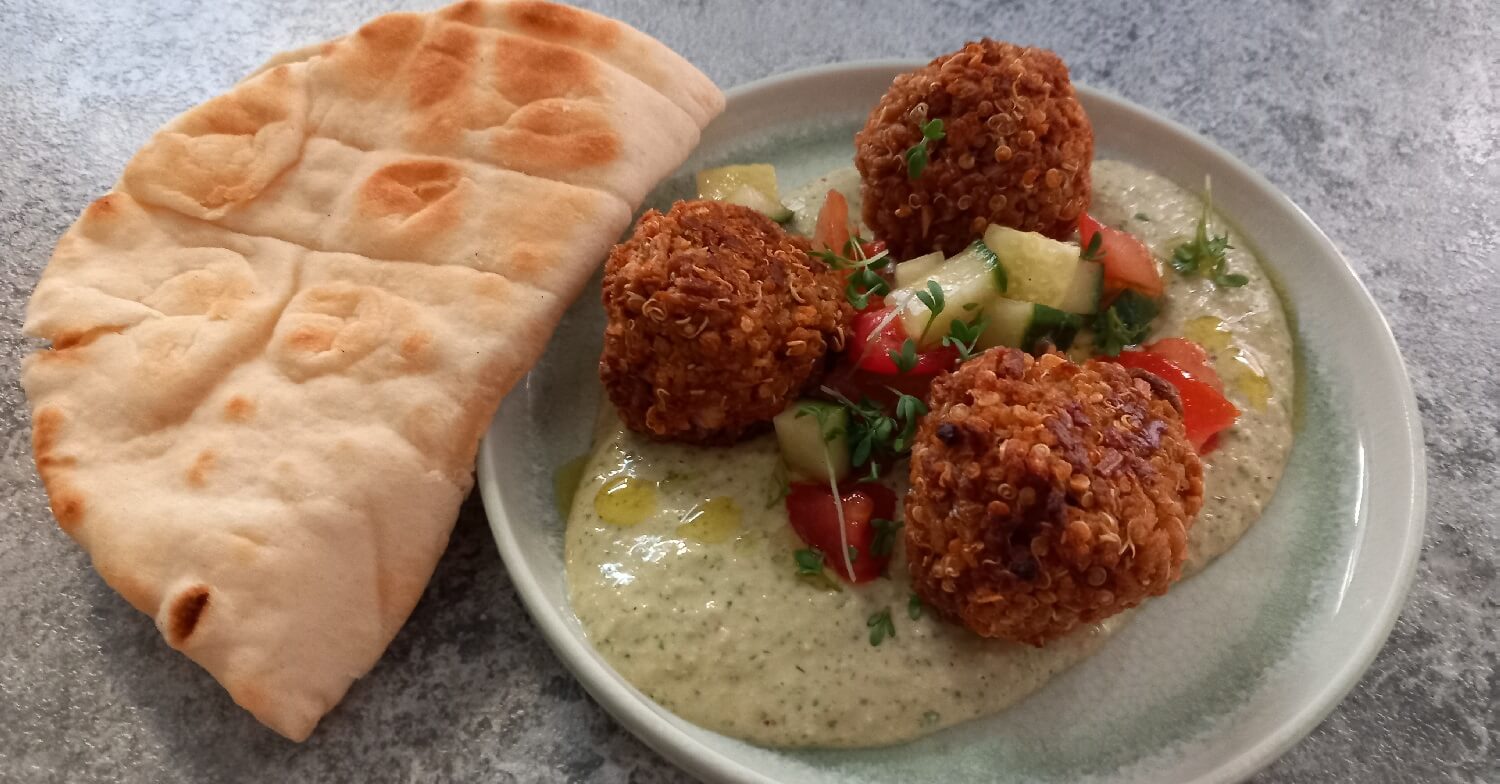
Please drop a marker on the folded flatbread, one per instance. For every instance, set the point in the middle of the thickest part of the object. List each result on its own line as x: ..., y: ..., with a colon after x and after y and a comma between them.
x: 276, y: 343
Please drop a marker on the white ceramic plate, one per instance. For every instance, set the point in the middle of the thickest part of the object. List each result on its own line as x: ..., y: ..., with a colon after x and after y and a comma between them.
x: 1209, y: 683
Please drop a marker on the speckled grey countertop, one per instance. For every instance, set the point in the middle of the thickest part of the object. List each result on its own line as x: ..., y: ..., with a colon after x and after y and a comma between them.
x: 1380, y: 119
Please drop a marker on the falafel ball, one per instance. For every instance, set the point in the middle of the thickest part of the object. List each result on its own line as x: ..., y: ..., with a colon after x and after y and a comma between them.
x: 1046, y: 495
x: 1016, y: 152
x: 717, y: 320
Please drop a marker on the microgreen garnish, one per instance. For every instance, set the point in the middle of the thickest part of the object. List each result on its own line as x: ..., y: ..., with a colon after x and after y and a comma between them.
x: 933, y: 299
x: 916, y: 155
x: 1095, y: 248
x: 880, y: 626
x: 1205, y: 255
x: 1141, y: 216
x: 909, y: 409
x: 906, y: 358
x: 853, y: 553
x: 885, y: 536
x: 964, y: 336
x: 914, y: 607
x: 875, y: 438
x: 865, y: 280
x: 809, y: 561
x: 1125, y: 323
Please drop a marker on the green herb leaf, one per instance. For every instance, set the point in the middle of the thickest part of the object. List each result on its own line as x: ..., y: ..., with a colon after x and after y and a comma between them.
x: 1143, y: 217
x: 1205, y: 255
x: 876, y: 438
x: 853, y: 553
x: 1095, y: 247
x: 864, y: 283
x: 916, y: 155
x: 880, y: 626
x: 1125, y: 323
x: 906, y: 358
x: 909, y: 409
x: 914, y: 607
x: 964, y: 336
x: 933, y: 299
x: 916, y: 160
x: 885, y: 536
x: 809, y: 561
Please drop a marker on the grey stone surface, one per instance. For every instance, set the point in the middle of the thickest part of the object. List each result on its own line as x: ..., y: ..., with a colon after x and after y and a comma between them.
x: 1380, y: 119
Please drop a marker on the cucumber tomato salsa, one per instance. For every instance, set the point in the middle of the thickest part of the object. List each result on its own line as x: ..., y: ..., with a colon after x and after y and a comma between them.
x: 726, y: 577
x: 887, y: 452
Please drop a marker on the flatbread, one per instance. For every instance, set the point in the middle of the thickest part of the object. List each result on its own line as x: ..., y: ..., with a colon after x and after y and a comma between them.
x: 276, y: 343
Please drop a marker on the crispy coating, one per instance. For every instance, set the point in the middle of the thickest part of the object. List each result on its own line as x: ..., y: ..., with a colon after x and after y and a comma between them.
x: 1046, y: 495
x: 717, y: 319
x: 1017, y: 150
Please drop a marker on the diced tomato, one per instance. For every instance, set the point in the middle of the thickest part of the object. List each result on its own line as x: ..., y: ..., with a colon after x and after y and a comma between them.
x: 832, y: 229
x: 872, y: 248
x: 815, y: 518
x: 1205, y: 410
x: 872, y: 352
x: 1189, y: 356
x: 1128, y: 263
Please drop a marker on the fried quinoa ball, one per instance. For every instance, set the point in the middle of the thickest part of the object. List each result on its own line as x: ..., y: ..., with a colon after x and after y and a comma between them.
x: 1017, y: 150
x: 717, y: 319
x: 1046, y: 495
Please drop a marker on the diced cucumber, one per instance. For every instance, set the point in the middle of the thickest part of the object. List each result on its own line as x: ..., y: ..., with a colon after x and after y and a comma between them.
x: 1005, y: 322
x: 1086, y: 290
x: 814, y: 440
x: 915, y: 272
x: 969, y: 281
x: 1021, y: 325
x: 1040, y: 269
x: 751, y: 185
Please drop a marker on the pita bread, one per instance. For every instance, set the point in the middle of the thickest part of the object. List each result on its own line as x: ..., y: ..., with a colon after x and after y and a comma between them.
x: 276, y: 343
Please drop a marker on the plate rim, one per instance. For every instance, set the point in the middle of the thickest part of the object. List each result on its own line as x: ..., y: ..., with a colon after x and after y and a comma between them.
x: 640, y: 716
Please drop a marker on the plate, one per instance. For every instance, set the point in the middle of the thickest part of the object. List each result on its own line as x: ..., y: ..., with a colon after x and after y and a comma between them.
x: 1209, y: 683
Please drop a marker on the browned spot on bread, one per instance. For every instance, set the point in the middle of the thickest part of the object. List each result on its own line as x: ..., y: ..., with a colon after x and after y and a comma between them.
x: 311, y: 339
x: 415, y: 345
x: 393, y: 31
x: 408, y: 187
x: 443, y: 65
x: 185, y: 613
x: 238, y: 408
x: 372, y: 56
x: 527, y: 70
x: 243, y: 112
x: 549, y: 137
x: 67, y: 502
x: 101, y: 208
x: 548, y: 20
x: 46, y: 425
x: 470, y: 12
x: 197, y: 473
x: 67, y: 338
